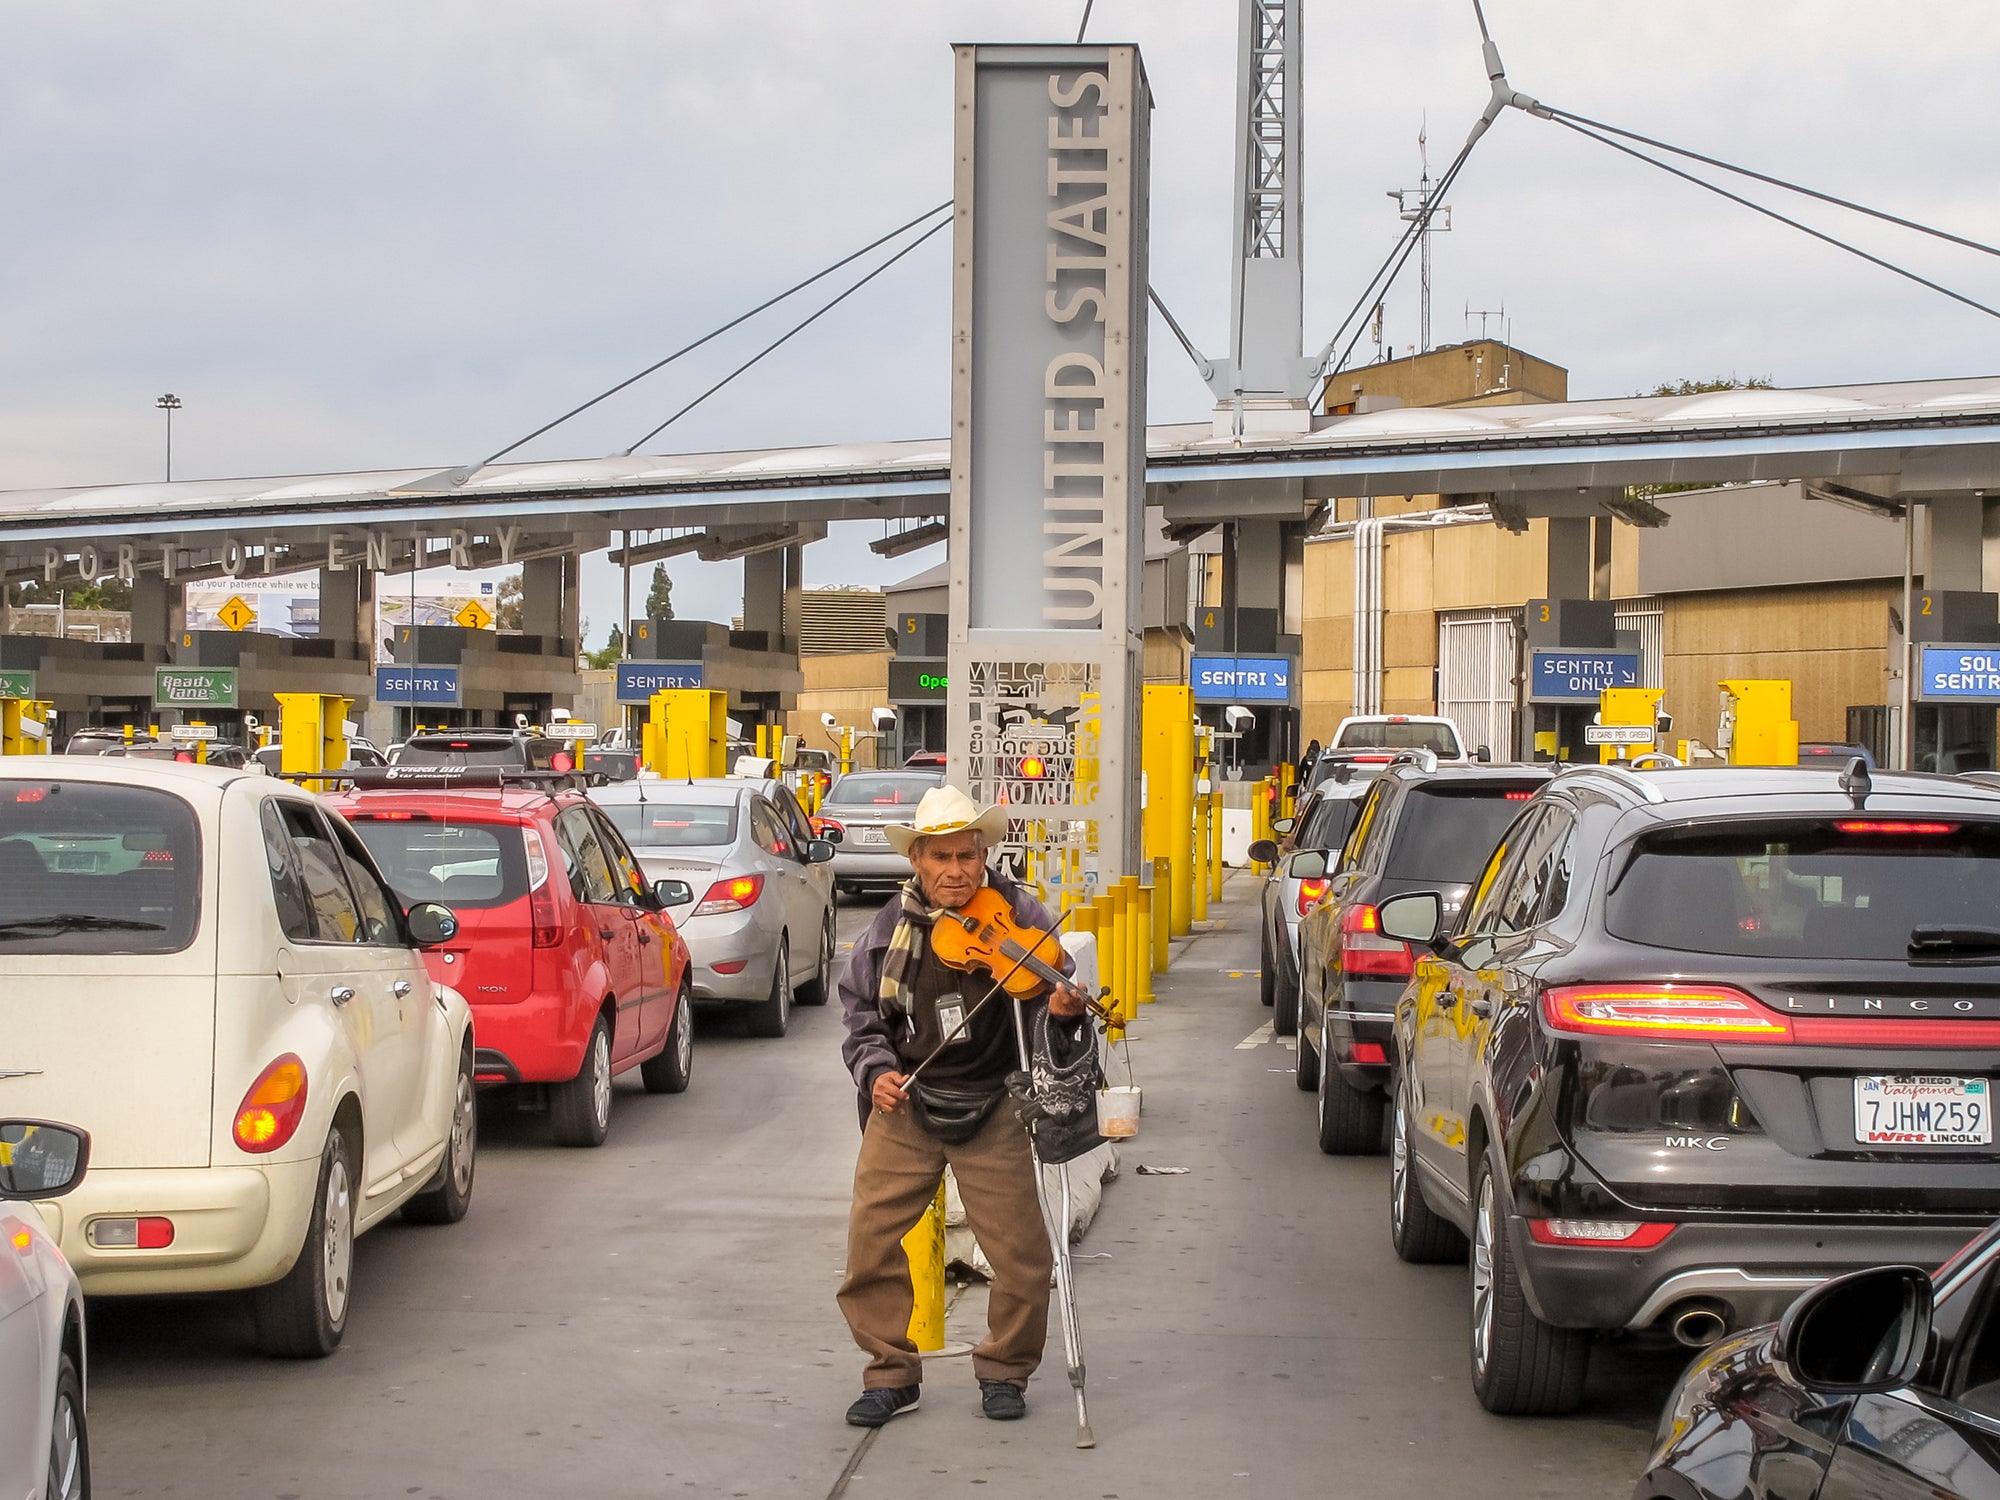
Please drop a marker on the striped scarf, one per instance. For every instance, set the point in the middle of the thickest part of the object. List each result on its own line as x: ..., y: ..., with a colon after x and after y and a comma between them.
x: 905, y: 951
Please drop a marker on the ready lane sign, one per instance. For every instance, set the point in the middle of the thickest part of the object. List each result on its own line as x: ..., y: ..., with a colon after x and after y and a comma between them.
x: 1242, y: 679
x: 1617, y: 734
x: 417, y: 687
x: 17, y: 684
x: 1960, y: 674
x: 194, y: 687
x: 639, y: 680
x: 1567, y: 676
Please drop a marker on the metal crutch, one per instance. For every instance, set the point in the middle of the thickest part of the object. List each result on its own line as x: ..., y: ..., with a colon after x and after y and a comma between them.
x: 1058, y: 1233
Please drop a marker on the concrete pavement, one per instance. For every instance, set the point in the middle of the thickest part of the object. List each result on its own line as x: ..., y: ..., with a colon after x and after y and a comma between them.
x: 656, y: 1317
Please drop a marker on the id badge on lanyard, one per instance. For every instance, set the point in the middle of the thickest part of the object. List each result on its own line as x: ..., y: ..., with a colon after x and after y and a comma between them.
x: 951, y: 1019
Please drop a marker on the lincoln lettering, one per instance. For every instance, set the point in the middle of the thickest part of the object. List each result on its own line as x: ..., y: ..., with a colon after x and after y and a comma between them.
x: 1077, y: 430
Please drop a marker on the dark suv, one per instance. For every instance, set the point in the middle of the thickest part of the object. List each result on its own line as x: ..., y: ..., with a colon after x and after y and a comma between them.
x: 1422, y: 827
x: 1698, y: 1040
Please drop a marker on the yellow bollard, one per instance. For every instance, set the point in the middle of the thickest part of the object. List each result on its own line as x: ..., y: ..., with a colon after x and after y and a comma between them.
x: 1215, y: 845
x: 1135, y: 955
x: 1142, y: 941
x: 1162, y: 927
x: 1107, y: 944
x: 1203, y: 816
x: 924, y: 1248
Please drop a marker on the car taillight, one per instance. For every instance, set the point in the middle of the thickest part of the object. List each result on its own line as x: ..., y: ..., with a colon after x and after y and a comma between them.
x: 1363, y: 949
x: 1309, y: 893
x: 1519, y: 796
x: 271, y: 1111
x: 822, y: 826
x: 1665, y: 1012
x: 1370, y: 1052
x: 733, y: 894
x: 1872, y: 826
x: 543, y: 917
x: 1600, y: 1234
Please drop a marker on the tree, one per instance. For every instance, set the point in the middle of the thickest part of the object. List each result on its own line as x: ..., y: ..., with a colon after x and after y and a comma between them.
x: 660, y: 597
x: 1703, y: 387
x: 509, y: 606
x: 610, y: 653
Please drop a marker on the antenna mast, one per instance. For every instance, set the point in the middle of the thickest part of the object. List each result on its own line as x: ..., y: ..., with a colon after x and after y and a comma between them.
x: 1413, y: 205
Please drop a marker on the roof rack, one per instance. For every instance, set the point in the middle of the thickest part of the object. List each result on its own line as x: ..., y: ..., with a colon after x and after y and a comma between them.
x: 452, y: 778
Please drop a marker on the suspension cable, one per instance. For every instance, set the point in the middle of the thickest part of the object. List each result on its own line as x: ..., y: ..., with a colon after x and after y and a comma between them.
x: 1772, y: 213
x: 1564, y: 116
x: 714, y: 334
x: 798, y: 327
x: 1084, y: 25
x: 1201, y: 365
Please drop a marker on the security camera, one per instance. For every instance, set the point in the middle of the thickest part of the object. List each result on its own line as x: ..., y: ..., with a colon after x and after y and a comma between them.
x: 520, y: 721
x: 884, y: 719
x: 829, y: 721
x: 1236, y: 716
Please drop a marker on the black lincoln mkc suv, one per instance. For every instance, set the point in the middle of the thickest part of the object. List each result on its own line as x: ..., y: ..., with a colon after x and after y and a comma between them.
x: 1697, y: 1040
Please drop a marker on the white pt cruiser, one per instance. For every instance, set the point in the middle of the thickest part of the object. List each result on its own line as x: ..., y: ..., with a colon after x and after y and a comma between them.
x: 204, y: 970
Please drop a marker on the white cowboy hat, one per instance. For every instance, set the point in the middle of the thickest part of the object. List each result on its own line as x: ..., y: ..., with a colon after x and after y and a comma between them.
x: 945, y: 809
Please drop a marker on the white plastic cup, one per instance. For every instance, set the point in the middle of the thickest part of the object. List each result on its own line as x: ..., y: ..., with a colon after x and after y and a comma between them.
x: 1118, y: 1112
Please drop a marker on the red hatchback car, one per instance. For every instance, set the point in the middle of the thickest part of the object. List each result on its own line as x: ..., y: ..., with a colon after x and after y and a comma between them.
x: 573, y: 969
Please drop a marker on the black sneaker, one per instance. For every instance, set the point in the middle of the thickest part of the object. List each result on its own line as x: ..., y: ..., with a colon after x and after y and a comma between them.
x: 1002, y: 1400
x: 879, y: 1403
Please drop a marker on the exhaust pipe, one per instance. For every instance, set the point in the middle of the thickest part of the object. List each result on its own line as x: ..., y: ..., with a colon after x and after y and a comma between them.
x: 1699, y: 1324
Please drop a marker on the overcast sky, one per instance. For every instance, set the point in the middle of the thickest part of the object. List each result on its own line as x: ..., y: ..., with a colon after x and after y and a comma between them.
x: 395, y: 232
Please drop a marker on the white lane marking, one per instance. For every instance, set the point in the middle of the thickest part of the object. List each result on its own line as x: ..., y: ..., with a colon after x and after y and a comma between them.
x: 1256, y: 1038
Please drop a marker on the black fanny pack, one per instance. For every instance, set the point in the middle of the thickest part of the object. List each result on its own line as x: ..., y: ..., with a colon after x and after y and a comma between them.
x: 953, y: 1115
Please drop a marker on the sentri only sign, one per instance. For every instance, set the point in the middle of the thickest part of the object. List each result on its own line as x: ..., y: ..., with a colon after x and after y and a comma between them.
x: 1959, y: 674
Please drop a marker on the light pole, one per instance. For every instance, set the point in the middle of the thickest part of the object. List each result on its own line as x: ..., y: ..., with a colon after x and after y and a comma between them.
x: 169, y: 403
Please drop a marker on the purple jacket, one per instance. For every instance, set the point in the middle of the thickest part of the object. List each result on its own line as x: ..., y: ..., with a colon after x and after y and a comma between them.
x: 869, y: 1049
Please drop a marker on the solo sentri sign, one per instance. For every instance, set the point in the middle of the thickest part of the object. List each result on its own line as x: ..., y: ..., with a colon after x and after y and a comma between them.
x: 1959, y: 674
x: 194, y: 687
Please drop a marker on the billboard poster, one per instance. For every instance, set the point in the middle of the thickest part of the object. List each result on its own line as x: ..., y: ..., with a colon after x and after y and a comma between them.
x: 286, y: 605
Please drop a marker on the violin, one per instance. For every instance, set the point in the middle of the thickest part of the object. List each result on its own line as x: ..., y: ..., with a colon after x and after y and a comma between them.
x: 984, y: 934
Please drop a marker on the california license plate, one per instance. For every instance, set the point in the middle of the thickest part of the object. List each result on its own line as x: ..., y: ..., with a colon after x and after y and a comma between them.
x: 1923, y: 1111
x: 870, y: 836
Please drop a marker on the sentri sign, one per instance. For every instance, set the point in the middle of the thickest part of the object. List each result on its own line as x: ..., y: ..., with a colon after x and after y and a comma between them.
x: 1241, y: 679
x: 1579, y: 676
x: 1959, y: 674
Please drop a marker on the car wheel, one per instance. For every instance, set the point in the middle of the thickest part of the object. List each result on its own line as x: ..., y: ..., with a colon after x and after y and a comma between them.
x: 816, y: 990
x: 1420, y: 1236
x: 1267, y: 978
x: 580, y: 1110
x: 303, y: 1314
x: 448, y: 1195
x: 1306, y: 1059
x: 1284, y: 998
x: 69, y: 1438
x: 1521, y: 1366
x: 773, y: 1017
x: 669, y: 1069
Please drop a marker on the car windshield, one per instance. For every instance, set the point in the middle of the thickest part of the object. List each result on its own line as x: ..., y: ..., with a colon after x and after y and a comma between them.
x: 1384, y: 735
x: 90, y: 868
x: 880, y: 791
x: 1446, y: 832
x: 479, y: 750
x: 1854, y: 888
x: 467, y: 866
x: 674, y: 825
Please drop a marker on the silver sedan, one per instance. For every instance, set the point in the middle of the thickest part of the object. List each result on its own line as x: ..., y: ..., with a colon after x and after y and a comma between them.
x: 856, y: 810
x: 760, y: 925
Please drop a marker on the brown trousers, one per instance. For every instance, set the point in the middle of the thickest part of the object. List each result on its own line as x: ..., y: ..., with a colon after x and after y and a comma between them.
x: 895, y: 1179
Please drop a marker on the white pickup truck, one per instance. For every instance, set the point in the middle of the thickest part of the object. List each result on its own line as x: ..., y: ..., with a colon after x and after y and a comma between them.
x: 1402, y: 732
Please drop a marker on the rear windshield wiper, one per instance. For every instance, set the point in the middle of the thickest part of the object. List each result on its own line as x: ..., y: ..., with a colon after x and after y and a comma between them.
x: 1928, y: 942
x: 33, y: 927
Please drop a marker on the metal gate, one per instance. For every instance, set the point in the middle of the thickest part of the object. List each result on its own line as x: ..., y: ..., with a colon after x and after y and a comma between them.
x: 1476, y: 655
x: 1647, y: 616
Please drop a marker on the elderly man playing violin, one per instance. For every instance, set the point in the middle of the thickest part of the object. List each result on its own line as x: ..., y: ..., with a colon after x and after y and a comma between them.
x: 902, y: 1004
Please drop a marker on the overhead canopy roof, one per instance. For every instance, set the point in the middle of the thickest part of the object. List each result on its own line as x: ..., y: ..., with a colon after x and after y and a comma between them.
x: 1917, y: 438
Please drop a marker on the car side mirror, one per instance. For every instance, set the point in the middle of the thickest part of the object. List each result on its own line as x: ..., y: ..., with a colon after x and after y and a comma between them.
x: 1483, y: 755
x: 1264, y: 851
x: 1860, y: 1334
x: 431, y: 923
x: 1283, y: 826
x: 1308, y: 864
x: 673, y: 892
x: 1413, y: 918
x: 819, y: 851
x: 40, y: 1160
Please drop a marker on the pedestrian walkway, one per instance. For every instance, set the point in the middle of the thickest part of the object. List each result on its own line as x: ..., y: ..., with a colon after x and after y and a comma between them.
x: 1247, y: 1329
